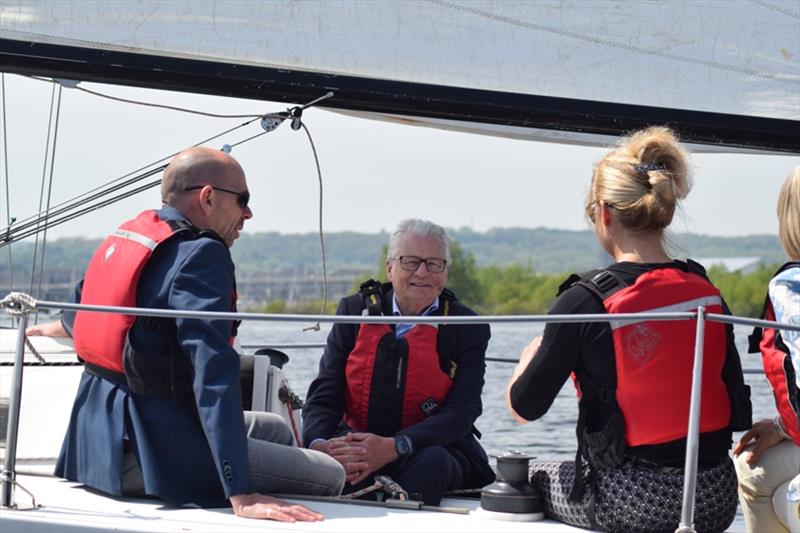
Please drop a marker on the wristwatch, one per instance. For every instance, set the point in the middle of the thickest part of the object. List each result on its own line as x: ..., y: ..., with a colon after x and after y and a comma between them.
x: 401, y: 445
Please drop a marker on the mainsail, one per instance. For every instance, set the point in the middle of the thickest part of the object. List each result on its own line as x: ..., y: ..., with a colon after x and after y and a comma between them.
x: 725, y: 74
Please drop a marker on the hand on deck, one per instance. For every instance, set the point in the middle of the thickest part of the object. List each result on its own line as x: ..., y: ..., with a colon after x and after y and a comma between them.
x: 763, y: 435
x: 524, y: 360
x: 268, y: 508
x: 359, y: 453
x: 48, y: 329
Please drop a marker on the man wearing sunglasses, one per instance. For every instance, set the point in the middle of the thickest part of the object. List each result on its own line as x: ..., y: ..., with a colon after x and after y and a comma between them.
x: 401, y: 399
x: 159, y: 409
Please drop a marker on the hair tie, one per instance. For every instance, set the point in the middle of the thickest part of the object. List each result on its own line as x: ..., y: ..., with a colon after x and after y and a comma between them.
x: 642, y: 169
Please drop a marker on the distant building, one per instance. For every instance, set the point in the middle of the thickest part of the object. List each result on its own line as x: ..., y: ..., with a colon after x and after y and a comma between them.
x: 742, y: 265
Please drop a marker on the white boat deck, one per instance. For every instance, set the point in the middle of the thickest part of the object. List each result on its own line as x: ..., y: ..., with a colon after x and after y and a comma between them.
x: 69, y: 507
x: 47, y: 395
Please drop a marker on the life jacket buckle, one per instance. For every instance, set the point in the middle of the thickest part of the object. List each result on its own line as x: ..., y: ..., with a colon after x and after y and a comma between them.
x: 604, y: 281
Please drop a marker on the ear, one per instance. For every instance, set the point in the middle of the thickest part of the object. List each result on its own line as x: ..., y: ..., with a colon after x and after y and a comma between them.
x: 389, y: 270
x: 605, y: 213
x: 205, y: 199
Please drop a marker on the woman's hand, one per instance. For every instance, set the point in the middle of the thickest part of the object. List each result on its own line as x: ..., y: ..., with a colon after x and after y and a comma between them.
x: 763, y: 435
x: 268, y: 508
x: 524, y: 360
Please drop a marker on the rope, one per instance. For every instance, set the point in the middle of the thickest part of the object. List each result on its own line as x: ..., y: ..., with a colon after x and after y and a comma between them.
x: 384, y: 483
x: 34, y: 351
x: 295, y: 432
x: 321, y: 234
x: 18, y: 304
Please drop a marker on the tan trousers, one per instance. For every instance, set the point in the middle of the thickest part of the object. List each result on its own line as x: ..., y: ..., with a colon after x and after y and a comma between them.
x: 763, y: 487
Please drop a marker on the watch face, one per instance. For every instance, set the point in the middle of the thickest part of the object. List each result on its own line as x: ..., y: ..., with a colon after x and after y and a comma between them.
x: 401, y: 445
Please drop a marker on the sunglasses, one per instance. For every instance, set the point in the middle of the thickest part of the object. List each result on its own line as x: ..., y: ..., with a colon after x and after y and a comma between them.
x: 242, y: 198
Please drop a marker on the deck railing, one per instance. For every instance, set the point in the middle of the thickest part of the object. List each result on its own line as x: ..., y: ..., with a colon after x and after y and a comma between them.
x: 686, y: 525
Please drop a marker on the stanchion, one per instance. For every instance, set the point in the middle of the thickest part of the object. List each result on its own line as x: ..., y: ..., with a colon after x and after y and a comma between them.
x: 8, y: 475
x: 693, y: 435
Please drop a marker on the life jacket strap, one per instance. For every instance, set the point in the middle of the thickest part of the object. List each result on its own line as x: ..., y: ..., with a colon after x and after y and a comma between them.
x: 603, y: 284
x: 371, y: 298
x: 117, y: 378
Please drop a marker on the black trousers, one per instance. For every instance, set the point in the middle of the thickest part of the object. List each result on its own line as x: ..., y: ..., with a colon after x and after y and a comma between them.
x: 425, y: 474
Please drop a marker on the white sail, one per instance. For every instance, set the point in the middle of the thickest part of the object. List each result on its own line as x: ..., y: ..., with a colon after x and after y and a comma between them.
x: 733, y: 58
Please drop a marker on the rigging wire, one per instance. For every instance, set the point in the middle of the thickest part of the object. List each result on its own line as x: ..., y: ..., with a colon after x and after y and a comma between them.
x: 110, y: 186
x: 164, y: 106
x: 69, y: 216
x: 60, y: 211
x: 8, y: 188
x: 321, y: 234
x: 21, y: 229
x: 147, y: 104
x: 41, y: 188
x: 73, y: 208
x: 49, y: 195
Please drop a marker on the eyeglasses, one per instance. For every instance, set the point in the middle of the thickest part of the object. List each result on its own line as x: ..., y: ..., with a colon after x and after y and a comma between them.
x: 411, y: 263
x: 242, y: 198
x: 591, y: 209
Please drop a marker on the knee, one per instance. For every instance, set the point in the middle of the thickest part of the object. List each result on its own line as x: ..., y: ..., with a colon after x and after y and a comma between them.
x: 744, y: 474
x: 433, y: 459
x: 752, y: 478
x: 330, y: 470
x: 267, y: 426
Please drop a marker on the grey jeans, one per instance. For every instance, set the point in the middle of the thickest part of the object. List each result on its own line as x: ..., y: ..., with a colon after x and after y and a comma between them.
x: 276, y: 465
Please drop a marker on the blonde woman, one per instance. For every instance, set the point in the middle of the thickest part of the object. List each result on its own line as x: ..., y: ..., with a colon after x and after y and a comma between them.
x: 634, y: 379
x: 768, y: 456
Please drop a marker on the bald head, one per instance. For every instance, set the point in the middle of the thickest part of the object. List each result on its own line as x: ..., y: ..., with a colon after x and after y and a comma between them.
x: 197, y: 166
x: 209, y: 188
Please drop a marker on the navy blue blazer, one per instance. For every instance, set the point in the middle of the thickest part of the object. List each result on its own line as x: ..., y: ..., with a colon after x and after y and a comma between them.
x: 191, y: 450
x: 450, y: 426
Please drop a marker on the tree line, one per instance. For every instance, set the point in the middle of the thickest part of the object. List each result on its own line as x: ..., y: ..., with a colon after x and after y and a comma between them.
x: 518, y: 289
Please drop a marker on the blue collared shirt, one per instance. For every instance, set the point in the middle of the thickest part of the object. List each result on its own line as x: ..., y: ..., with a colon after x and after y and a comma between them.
x: 401, y: 329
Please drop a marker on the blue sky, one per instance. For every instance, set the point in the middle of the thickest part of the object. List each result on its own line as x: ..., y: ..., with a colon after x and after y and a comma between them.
x: 374, y: 173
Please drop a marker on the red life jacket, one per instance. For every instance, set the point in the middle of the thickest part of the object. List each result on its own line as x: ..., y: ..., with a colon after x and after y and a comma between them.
x: 654, y: 359
x: 111, y: 279
x: 395, y: 383
x: 778, y: 367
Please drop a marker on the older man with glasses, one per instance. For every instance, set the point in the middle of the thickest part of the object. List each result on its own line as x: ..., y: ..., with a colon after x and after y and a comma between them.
x: 401, y: 399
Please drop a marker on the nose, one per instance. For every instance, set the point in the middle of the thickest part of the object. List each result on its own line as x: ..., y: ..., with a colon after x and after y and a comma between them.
x: 247, y: 213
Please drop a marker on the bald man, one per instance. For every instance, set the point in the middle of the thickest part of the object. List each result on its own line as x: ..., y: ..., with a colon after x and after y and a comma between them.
x: 159, y: 410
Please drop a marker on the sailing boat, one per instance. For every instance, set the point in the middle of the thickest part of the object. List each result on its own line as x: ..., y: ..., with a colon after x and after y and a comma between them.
x: 511, y: 69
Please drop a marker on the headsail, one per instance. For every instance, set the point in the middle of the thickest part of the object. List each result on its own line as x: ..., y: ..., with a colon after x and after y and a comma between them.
x: 723, y: 74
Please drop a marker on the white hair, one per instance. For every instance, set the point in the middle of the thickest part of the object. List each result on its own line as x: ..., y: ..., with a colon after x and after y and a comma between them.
x: 417, y: 226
